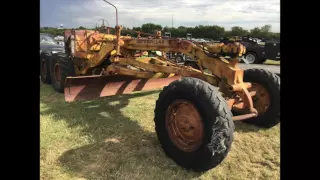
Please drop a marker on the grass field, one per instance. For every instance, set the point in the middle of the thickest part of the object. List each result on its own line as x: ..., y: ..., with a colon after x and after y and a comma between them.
x: 272, y: 62
x: 114, y: 138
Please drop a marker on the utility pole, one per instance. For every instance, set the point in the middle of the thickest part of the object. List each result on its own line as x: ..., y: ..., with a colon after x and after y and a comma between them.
x: 132, y: 23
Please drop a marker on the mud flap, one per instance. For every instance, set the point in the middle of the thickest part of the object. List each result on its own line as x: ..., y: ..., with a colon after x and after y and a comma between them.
x: 92, y: 87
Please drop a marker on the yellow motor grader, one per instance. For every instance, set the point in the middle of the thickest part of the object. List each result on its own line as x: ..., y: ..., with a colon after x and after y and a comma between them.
x: 195, y: 111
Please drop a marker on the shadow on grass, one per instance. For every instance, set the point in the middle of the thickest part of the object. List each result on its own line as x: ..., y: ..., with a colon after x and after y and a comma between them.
x: 243, y: 127
x: 120, y: 148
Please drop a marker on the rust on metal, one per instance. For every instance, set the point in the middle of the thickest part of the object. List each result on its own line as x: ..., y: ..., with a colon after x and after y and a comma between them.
x: 238, y: 87
x: 244, y: 117
x: 230, y: 103
x: 96, y: 48
x: 261, y: 99
x: 170, y: 69
x: 252, y: 93
x: 238, y: 106
x: 184, y: 125
x: 91, y: 87
x: 244, y: 102
x: 115, y: 69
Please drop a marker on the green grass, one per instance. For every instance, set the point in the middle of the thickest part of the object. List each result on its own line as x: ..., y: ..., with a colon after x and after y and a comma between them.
x: 114, y: 138
x: 272, y: 62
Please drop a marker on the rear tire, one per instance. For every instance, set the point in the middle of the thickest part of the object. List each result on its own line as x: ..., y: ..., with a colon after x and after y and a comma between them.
x: 271, y: 83
x: 61, y: 67
x: 217, y: 129
x: 45, y: 59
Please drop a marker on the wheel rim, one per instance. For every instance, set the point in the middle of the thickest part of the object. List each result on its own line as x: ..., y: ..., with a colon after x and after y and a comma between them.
x: 57, y: 76
x: 184, y: 125
x: 178, y: 59
x: 250, y: 58
x: 261, y: 98
x: 43, y: 68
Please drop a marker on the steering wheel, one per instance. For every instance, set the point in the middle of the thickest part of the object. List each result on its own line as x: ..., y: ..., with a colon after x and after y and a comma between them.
x: 102, y: 25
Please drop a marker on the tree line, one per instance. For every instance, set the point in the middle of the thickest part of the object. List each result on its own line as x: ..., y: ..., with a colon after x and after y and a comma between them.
x: 202, y: 31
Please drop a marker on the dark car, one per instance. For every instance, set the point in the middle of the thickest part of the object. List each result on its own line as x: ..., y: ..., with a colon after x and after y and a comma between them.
x: 48, y: 47
x: 258, y: 53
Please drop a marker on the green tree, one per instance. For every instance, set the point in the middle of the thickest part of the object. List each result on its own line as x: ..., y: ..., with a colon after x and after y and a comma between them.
x: 265, y: 31
x: 151, y: 28
x: 238, y: 31
x: 210, y: 32
x: 137, y: 29
x: 255, y: 32
x: 266, y: 28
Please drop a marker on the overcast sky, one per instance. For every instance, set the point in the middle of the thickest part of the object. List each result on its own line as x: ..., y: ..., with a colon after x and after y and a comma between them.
x: 226, y: 13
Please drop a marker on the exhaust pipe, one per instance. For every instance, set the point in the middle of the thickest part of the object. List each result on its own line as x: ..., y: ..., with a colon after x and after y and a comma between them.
x: 116, y: 11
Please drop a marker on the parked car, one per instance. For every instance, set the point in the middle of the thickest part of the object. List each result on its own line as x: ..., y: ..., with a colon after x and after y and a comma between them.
x: 48, y: 47
x: 60, y: 40
x: 258, y: 53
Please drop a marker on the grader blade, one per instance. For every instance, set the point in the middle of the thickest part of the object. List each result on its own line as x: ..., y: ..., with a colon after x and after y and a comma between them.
x: 92, y: 87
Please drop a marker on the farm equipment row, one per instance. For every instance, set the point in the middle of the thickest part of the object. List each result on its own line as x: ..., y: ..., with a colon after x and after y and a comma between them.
x: 195, y: 111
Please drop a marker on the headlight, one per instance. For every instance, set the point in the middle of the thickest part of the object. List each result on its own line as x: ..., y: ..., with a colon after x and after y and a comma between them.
x: 40, y: 51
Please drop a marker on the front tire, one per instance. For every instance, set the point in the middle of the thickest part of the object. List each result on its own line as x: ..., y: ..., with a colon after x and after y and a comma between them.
x: 267, y: 98
x: 194, y: 124
x: 61, y: 67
